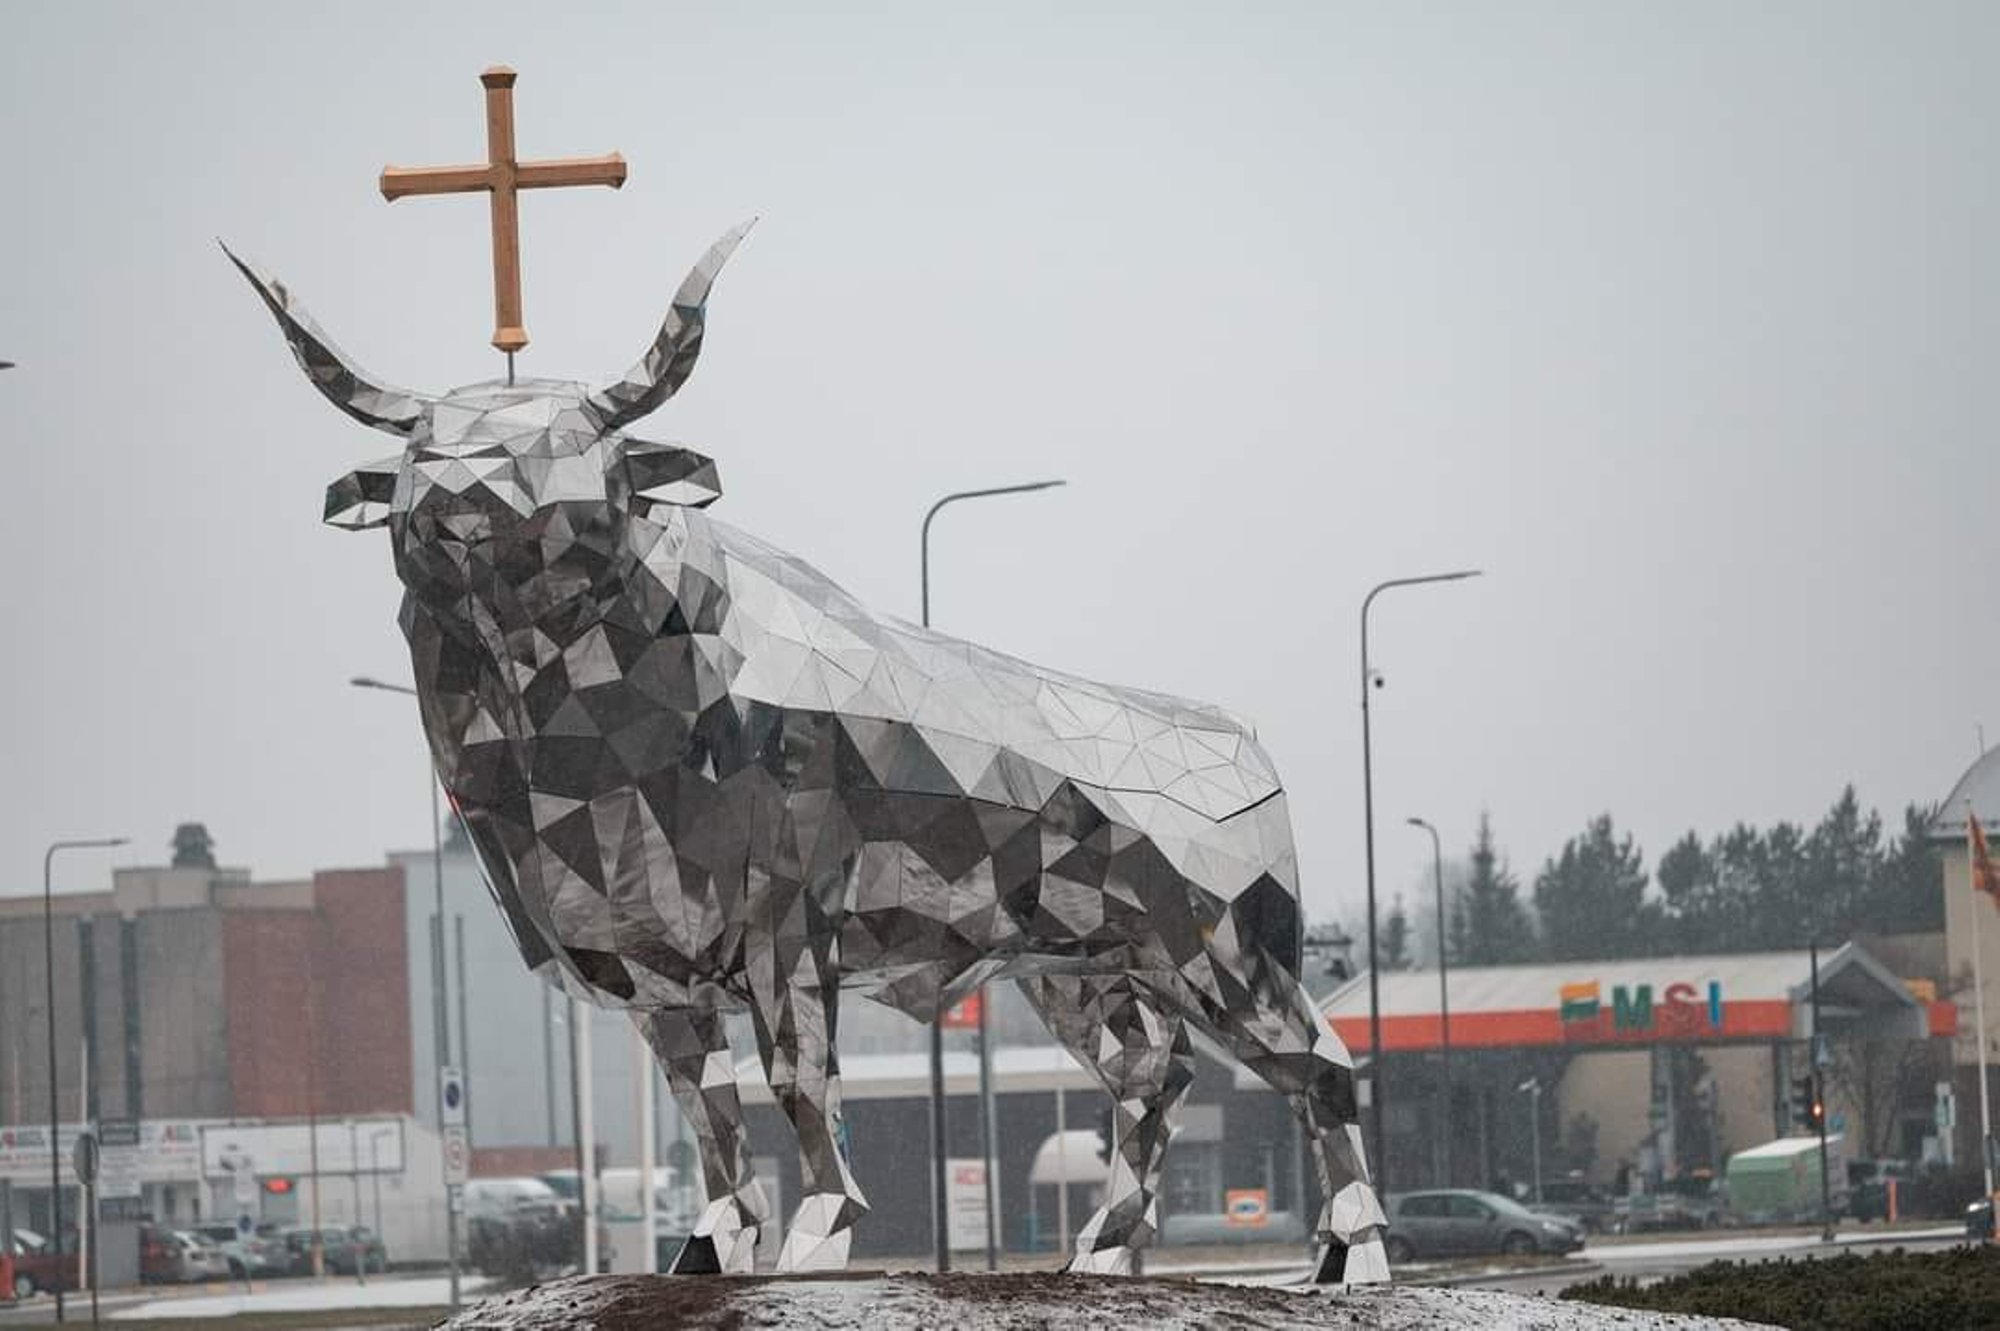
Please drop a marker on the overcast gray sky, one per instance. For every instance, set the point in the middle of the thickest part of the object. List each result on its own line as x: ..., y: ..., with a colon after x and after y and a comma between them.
x: 1677, y: 318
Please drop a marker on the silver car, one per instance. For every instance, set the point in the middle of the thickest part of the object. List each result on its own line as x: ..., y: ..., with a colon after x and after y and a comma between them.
x: 1459, y: 1222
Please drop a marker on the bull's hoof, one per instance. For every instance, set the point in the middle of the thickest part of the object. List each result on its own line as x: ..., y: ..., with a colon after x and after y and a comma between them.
x: 821, y: 1232
x: 1363, y: 1263
x: 722, y: 1243
x: 1113, y: 1261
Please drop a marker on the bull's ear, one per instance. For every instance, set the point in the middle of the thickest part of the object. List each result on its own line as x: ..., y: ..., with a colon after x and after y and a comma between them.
x: 670, y: 474
x: 360, y: 499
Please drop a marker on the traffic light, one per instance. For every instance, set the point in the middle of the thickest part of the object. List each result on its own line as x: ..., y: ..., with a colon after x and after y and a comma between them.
x: 1808, y: 1109
x: 1107, y: 1128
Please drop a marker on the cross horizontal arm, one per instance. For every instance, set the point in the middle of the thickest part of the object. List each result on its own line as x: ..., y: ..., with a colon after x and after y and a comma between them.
x: 606, y: 170
x: 402, y: 181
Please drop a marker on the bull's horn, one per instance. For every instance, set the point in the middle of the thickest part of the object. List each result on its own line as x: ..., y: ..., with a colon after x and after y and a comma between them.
x: 668, y: 362
x: 344, y: 384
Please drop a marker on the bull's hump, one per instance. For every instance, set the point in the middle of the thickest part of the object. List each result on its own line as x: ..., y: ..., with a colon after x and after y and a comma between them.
x: 815, y: 648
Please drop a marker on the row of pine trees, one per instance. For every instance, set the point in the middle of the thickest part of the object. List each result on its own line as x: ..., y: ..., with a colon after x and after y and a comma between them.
x: 1747, y: 890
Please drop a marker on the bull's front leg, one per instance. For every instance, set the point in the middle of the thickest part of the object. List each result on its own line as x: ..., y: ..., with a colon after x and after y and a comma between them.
x: 795, y: 997
x: 693, y: 1047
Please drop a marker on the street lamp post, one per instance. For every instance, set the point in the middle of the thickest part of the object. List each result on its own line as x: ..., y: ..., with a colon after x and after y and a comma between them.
x: 375, y: 1169
x: 49, y: 974
x: 1444, y: 993
x: 938, y: 1192
x: 1533, y: 1086
x: 1375, y: 1059
x: 440, y: 1013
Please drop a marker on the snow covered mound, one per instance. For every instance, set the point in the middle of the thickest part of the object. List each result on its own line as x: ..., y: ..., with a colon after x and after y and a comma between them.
x: 872, y: 1301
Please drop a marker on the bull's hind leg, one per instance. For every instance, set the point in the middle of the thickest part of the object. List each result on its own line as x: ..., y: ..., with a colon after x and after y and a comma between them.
x: 1275, y: 1030
x: 795, y: 998
x: 1138, y: 1047
x: 693, y: 1047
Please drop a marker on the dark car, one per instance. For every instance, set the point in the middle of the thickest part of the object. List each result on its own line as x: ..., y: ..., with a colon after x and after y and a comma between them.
x: 1575, y: 1199
x: 1979, y: 1219
x: 1693, y: 1202
x: 1463, y: 1223
x: 343, y: 1252
x: 39, y: 1266
x: 1868, y: 1183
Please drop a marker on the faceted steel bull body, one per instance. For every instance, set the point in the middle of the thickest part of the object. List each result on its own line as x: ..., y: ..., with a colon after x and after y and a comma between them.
x: 701, y: 778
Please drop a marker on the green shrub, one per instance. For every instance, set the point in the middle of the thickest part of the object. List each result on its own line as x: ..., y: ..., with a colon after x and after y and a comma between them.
x: 1885, y: 1291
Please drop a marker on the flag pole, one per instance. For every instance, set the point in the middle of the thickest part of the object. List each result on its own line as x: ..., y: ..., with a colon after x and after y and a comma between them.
x: 1979, y: 999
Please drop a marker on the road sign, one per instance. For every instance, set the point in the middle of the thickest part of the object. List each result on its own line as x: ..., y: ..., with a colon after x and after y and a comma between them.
x: 451, y: 1093
x: 1246, y: 1208
x: 962, y: 1015
x: 457, y: 1156
x: 118, y: 1160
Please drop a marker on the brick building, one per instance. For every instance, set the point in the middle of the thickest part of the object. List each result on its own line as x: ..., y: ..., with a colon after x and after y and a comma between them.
x: 194, y: 994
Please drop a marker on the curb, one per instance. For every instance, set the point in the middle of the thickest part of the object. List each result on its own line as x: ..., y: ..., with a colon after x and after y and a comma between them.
x: 1523, y: 1273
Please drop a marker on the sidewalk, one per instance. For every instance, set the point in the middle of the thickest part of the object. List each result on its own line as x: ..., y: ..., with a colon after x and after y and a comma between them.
x: 381, y: 1292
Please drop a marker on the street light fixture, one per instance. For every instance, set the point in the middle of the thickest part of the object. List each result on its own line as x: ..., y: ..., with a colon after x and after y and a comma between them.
x: 938, y: 1192
x: 1444, y: 993
x: 1375, y: 1060
x: 49, y: 974
x: 440, y: 1013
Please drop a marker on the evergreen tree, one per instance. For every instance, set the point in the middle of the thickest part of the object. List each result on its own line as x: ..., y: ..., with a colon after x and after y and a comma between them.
x: 1697, y: 913
x: 1907, y: 893
x: 1491, y: 926
x: 1396, y: 938
x: 1843, y: 858
x: 1591, y: 899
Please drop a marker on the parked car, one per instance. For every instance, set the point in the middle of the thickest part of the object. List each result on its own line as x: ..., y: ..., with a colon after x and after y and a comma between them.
x: 570, y: 1188
x: 519, y: 1229
x: 1693, y: 1202
x: 1577, y: 1200
x: 177, y: 1257
x: 1979, y: 1219
x: 1460, y: 1223
x: 343, y: 1252
x: 40, y: 1267
x: 249, y: 1255
x: 357, y: 1248
x: 1868, y: 1187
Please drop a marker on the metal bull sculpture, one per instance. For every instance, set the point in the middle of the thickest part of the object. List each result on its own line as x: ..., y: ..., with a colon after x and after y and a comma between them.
x: 702, y: 778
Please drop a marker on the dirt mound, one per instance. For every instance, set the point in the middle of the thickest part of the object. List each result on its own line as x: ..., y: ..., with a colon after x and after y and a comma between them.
x: 874, y: 1301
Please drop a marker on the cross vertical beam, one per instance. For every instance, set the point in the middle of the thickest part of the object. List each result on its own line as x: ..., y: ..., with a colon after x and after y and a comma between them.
x: 508, y: 333
x: 502, y: 177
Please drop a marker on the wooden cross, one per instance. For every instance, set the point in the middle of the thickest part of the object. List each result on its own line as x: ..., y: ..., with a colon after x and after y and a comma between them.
x: 501, y: 176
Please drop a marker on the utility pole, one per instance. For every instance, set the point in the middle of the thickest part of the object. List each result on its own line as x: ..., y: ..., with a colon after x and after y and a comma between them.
x: 1819, y: 1060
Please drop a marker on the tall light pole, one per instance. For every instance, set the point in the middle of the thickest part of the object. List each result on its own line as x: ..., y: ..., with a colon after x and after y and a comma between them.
x: 49, y: 973
x: 1375, y: 1060
x: 940, y: 1215
x: 375, y: 1168
x: 1533, y: 1086
x: 1444, y: 992
x: 440, y: 1012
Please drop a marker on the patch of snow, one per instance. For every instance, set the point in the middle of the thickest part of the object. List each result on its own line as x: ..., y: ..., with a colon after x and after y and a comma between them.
x: 1016, y: 1302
